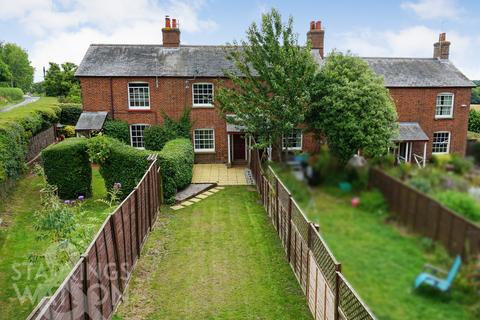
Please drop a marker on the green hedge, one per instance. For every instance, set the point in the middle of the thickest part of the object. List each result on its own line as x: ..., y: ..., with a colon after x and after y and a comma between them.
x: 157, y: 136
x: 176, y: 165
x: 117, y: 129
x: 118, y: 162
x: 67, y: 166
x: 16, y: 127
x: 70, y: 113
x: 11, y: 94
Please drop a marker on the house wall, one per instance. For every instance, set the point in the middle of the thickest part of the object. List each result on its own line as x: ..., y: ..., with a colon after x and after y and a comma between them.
x: 173, y: 94
x: 418, y: 105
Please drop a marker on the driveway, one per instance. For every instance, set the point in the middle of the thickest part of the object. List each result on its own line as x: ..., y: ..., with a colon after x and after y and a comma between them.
x: 28, y: 99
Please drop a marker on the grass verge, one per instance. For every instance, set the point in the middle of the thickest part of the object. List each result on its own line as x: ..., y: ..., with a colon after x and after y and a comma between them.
x: 217, y: 259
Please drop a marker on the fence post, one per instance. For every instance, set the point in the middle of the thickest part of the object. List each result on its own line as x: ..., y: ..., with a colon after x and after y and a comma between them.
x: 338, y: 269
x: 85, y: 286
x: 148, y: 183
x: 277, y: 206
x: 160, y: 185
x: 137, y: 225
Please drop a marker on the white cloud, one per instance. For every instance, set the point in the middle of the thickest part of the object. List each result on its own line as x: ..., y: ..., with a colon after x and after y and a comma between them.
x: 416, y: 41
x: 434, y: 9
x: 63, y: 29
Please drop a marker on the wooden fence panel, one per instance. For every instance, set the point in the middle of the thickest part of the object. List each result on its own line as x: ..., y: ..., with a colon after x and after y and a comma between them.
x: 95, y: 285
x: 428, y: 217
x: 39, y: 142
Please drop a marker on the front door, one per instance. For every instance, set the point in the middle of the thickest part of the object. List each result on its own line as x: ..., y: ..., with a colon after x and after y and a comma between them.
x: 239, y: 147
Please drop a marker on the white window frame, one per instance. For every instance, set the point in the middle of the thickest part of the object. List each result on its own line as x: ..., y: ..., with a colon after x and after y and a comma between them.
x: 202, y: 105
x: 131, y: 135
x: 294, y: 148
x: 130, y: 107
x: 448, y: 144
x: 444, y: 116
x: 196, y: 150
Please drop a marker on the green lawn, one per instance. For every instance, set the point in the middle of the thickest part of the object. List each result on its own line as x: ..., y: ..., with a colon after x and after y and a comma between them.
x: 19, y: 242
x: 44, y: 103
x: 217, y: 259
x: 5, y: 103
x: 380, y: 259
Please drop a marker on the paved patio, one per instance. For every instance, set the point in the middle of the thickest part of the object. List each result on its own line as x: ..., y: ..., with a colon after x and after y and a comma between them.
x: 219, y: 174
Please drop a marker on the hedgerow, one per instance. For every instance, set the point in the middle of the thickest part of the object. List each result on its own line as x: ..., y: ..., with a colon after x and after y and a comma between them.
x: 157, y: 136
x: 119, y: 163
x: 11, y: 94
x: 176, y: 166
x: 16, y: 127
x: 67, y: 166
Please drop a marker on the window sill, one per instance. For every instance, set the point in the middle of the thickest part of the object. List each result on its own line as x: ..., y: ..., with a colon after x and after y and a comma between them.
x: 204, y: 151
x: 292, y: 149
x: 445, y: 118
x: 439, y: 153
x: 203, y: 106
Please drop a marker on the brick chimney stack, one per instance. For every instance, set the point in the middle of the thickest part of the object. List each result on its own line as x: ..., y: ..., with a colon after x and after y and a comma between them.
x: 316, y: 36
x: 441, y: 49
x: 171, y: 33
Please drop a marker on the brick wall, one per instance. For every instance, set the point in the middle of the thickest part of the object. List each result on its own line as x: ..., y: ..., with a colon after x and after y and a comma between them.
x: 173, y: 94
x: 170, y: 97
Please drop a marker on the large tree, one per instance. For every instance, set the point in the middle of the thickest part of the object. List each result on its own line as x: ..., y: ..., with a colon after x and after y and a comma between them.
x: 476, y: 93
x: 274, y: 83
x: 16, y: 58
x: 355, y: 111
x: 60, y: 80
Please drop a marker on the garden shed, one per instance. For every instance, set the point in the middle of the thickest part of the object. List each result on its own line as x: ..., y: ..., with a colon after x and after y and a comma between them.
x: 90, y: 122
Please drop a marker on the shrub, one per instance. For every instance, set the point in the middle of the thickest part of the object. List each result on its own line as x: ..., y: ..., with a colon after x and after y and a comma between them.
x: 460, y: 202
x: 70, y: 113
x: 157, y: 136
x: 460, y: 164
x: 67, y: 166
x: 117, y: 129
x: 69, y: 131
x: 11, y: 94
x: 176, y: 165
x: 374, y: 202
x: 474, y: 121
x: 441, y: 160
x: 119, y: 163
x: 420, y: 183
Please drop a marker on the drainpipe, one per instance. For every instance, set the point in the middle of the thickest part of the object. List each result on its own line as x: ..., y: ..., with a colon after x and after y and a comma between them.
x: 111, y: 99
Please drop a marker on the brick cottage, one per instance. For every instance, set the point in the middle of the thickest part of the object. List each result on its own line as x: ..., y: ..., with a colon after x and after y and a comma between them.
x: 139, y: 83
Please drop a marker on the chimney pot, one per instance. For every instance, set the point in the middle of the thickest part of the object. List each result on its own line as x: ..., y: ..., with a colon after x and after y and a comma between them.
x: 167, y: 22
x: 174, y: 23
x: 442, y: 37
x: 171, y: 33
x: 441, y: 49
x: 312, y: 25
x: 318, y: 25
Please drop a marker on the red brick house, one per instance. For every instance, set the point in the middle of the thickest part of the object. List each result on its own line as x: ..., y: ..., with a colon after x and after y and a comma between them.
x: 138, y: 83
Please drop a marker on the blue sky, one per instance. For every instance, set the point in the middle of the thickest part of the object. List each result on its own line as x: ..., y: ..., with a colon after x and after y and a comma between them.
x: 61, y: 30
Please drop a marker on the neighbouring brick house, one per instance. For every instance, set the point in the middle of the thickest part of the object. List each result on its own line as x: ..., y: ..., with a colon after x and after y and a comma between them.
x: 138, y: 83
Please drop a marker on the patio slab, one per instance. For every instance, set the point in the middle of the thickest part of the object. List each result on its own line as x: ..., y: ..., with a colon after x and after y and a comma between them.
x: 219, y: 174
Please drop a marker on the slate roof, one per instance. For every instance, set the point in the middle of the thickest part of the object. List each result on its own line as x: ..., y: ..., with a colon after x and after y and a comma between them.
x: 410, y: 131
x: 91, y: 120
x: 109, y: 60
x: 418, y: 72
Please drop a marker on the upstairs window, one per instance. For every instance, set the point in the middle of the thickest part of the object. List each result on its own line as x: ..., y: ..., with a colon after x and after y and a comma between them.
x: 204, y: 140
x: 138, y: 96
x: 444, y: 108
x: 293, y: 141
x: 202, y: 94
x: 441, y: 142
x: 136, y: 135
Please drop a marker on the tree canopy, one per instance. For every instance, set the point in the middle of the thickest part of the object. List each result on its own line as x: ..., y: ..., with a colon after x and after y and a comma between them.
x: 476, y: 93
x: 15, y: 68
x: 60, y: 80
x: 355, y: 111
x: 275, y: 81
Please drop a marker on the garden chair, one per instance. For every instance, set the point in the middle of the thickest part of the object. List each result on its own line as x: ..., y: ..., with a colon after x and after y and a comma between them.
x: 433, y: 279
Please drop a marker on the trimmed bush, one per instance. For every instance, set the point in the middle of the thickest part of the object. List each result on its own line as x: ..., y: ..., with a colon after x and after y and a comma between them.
x: 176, y: 165
x: 11, y: 94
x: 118, y: 162
x: 67, y: 166
x: 157, y: 136
x: 474, y: 121
x: 117, y: 129
x: 70, y: 113
x: 69, y: 131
